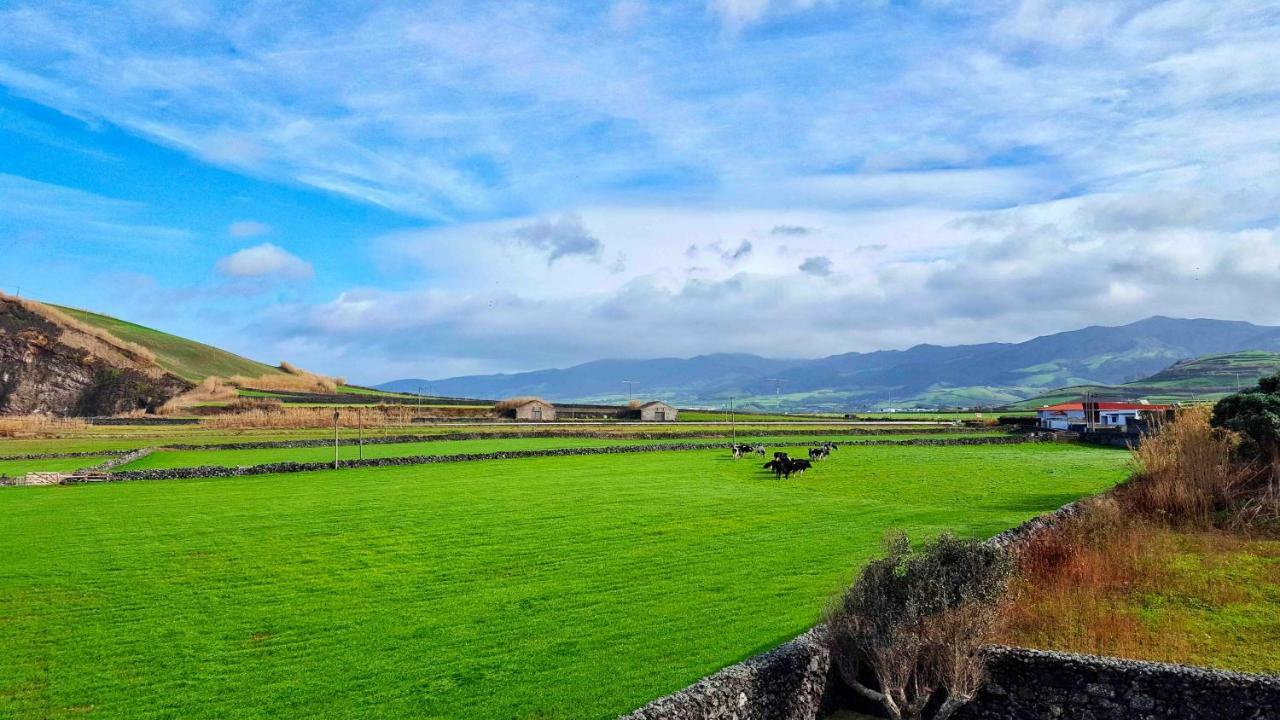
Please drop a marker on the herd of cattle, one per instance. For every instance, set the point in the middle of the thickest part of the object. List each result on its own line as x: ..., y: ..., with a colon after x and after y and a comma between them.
x: 782, y: 464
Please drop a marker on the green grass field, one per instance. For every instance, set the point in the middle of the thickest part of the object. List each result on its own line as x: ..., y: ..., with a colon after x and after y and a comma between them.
x: 574, y: 587
x: 185, y: 358
x: 101, y: 438
x: 14, y: 468
x: 196, y: 458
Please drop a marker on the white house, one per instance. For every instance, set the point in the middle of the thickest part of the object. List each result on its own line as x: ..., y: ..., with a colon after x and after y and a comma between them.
x: 1106, y: 415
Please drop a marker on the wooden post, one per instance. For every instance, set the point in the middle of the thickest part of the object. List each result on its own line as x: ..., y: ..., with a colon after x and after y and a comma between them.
x: 360, y: 424
x: 335, y: 439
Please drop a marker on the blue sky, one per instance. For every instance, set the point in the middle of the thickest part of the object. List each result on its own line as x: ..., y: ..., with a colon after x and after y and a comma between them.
x: 432, y: 189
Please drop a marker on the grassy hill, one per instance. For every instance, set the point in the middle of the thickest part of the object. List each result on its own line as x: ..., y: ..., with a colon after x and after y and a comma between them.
x: 185, y: 358
x: 1204, y: 378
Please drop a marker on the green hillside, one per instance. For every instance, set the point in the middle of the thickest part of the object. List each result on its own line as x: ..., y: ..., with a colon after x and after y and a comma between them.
x: 1204, y: 378
x: 185, y: 358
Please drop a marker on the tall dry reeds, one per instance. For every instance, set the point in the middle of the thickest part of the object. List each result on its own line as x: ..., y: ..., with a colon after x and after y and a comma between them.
x: 291, y: 378
x: 18, y: 426
x: 1186, y: 471
x: 210, y: 390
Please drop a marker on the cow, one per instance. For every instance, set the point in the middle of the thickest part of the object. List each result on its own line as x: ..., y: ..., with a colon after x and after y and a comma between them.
x: 799, y: 466
x: 760, y: 450
x: 779, y: 455
x: 818, y: 453
x: 740, y: 449
x: 779, y: 467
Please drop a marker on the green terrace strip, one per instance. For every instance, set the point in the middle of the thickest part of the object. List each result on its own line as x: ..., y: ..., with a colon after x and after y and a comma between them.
x: 15, y: 468
x: 103, y: 438
x: 165, y: 458
x: 556, y: 587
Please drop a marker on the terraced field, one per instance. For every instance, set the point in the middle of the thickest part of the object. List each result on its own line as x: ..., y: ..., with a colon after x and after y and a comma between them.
x: 565, y: 587
x: 258, y: 456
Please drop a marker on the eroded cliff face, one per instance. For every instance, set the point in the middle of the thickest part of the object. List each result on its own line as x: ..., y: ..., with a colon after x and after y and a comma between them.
x: 46, y: 368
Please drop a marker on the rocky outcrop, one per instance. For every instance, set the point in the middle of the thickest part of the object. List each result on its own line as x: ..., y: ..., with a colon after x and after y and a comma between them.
x: 51, y: 368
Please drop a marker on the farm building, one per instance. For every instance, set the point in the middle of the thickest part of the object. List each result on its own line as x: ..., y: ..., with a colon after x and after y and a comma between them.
x: 535, y: 410
x: 1100, y: 415
x: 657, y: 411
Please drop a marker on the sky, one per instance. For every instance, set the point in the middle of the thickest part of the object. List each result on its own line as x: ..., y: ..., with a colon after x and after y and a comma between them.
x: 431, y: 189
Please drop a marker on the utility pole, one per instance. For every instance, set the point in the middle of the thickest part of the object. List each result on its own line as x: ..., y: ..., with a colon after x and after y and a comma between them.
x: 777, y: 392
x: 335, y: 439
x: 360, y: 424
x: 630, y: 384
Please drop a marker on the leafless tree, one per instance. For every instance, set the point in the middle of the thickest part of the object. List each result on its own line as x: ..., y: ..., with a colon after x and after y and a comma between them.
x: 916, y: 623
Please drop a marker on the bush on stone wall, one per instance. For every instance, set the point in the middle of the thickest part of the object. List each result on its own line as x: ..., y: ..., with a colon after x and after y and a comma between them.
x: 914, y: 623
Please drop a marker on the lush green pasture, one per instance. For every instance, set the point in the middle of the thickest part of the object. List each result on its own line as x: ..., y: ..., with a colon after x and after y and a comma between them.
x: 116, y: 437
x: 566, y: 587
x: 14, y: 468
x: 196, y: 458
x: 185, y: 358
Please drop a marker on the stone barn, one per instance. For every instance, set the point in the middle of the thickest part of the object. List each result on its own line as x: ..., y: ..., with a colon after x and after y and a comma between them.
x: 657, y: 411
x: 535, y: 410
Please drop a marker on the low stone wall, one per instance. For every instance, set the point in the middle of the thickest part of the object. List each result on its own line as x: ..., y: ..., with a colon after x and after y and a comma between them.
x: 210, y: 471
x: 786, y: 683
x: 1028, y: 684
x: 401, y: 439
x: 124, y: 459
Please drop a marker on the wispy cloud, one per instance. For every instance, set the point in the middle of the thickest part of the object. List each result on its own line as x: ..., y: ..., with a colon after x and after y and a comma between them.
x: 247, y: 228
x: 697, y: 155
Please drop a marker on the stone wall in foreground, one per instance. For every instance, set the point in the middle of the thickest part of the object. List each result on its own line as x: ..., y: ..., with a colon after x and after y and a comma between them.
x: 1029, y: 684
x: 786, y: 683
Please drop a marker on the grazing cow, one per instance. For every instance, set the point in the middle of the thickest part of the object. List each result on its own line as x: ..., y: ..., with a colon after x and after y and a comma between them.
x: 760, y: 450
x: 740, y: 449
x: 780, y: 467
x: 779, y: 455
x: 818, y: 453
x: 799, y: 466
x: 828, y: 445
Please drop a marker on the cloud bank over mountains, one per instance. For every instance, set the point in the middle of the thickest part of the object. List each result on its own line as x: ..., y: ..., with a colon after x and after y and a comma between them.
x: 786, y: 177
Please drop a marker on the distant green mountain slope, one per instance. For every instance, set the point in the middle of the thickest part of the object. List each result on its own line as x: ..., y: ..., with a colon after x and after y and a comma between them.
x: 1204, y: 378
x: 986, y: 374
x: 185, y: 358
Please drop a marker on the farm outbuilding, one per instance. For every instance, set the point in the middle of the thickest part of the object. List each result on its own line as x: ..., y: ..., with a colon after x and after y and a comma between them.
x: 657, y: 411
x: 1098, y: 415
x: 535, y: 410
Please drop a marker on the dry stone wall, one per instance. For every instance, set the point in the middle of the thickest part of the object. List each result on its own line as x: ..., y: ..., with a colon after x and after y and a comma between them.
x: 1034, y: 684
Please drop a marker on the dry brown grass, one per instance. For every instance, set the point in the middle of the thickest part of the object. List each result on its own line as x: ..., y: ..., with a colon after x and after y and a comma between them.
x: 285, y: 417
x: 514, y: 402
x: 27, y: 426
x: 1088, y: 584
x: 93, y: 340
x: 298, y: 381
x: 1186, y: 471
x: 211, y: 389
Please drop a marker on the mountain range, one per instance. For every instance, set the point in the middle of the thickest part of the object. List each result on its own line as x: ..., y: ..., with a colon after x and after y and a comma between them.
x: 987, y: 374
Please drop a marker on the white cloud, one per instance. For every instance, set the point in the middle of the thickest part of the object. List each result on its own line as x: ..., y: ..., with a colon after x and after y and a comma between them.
x: 265, y: 260
x: 247, y: 228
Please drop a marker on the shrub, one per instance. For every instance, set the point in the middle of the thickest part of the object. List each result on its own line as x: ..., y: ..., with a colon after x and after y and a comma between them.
x: 916, y: 622
x: 1185, y: 471
x: 1256, y: 416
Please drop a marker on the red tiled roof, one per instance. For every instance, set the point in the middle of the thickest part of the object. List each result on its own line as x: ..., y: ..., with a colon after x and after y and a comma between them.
x: 1101, y: 406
